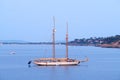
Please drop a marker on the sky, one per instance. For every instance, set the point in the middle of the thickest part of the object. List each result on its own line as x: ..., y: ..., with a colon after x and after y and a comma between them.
x: 32, y: 20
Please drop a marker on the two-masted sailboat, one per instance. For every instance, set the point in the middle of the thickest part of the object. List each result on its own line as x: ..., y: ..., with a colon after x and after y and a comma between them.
x: 57, y: 61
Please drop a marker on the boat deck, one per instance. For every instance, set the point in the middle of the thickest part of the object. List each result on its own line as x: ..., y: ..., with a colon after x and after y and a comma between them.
x: 55, y: 61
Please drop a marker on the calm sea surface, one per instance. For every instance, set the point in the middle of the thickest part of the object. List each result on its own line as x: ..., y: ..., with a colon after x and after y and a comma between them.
x: 103, y: 64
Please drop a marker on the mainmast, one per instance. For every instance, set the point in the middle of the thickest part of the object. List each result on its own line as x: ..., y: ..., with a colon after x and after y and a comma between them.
x: 67, y: 40
x: 53, y: 35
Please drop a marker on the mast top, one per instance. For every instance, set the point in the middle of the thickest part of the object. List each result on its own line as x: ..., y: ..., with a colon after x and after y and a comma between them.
x: 67, y: 28
x: 54, y: 30
x: 53, y: 22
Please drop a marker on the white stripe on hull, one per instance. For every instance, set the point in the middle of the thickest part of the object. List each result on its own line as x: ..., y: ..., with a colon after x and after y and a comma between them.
x: 56, y: 63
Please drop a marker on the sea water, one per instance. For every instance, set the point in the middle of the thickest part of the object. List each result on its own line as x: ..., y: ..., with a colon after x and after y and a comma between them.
x: 103, y: 64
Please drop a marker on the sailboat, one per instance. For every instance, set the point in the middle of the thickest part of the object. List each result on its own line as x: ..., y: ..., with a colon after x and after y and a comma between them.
x: 58, y: 61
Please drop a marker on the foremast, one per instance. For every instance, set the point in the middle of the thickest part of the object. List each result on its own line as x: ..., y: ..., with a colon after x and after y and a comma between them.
x: 53, y: 36
x: 67, y: 40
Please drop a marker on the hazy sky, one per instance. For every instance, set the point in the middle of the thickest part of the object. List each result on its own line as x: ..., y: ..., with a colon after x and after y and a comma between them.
x: 31, y: 20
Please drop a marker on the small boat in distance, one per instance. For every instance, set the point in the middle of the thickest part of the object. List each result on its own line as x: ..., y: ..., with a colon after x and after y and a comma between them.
x: 58, y: 61
x: 12, y: 52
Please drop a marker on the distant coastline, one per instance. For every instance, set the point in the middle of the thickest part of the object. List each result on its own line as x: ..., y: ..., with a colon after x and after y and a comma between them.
x: 106, y: 42
x: 30, y: 43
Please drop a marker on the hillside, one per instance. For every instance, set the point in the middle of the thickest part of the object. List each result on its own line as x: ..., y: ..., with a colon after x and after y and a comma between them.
x: 111, y: 45
x: 111, y: 42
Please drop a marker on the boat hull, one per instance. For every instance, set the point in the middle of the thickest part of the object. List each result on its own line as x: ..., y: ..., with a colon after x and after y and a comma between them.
x: 57, y: 62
